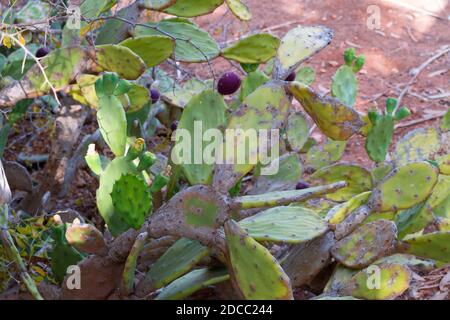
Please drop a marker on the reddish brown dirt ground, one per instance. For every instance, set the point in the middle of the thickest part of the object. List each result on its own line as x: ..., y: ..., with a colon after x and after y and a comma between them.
x: 410, y: 32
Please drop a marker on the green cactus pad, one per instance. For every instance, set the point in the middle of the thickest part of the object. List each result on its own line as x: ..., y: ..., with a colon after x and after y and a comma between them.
x: 123, y: 61
x: 297, y: 131
x: 62, y: 254
x: 405, y: 187
x: 298, y: 45
x: 239, y: 9
x: 365, y: 245
x: 323, y: 155
x: 394, y: 280
x: 444, y: 164
x: 132, y: 199
x: 345, y: 85
x: 129, y: 269
x: 336, y: 120
x: 61, y: 67
x: 339, y: 212
x: 289, y: 174
x: 381, y: 170
x: 434, y: 245
x: 116, y: 168
x: 86, y: 83
x: 305, y: 75
x: 193, y: 8
x: 206, y: 109
x: 258, y: 48
x: 179, y: 259
x: 407, y: 260
x: 254, y: 271
x: 152, y: 49
x: 253, y: 81
x: 339, y: 280
x: 279, y: 198
x: 86, y: 238
x: 445, y: 122
x: 192, y: 44
x: 379, y: 138
x: 193, y: 281
x: 95, y: 162
x: 417, y: 145
x: 158, y: 4
x: 358, y: 179
x: 285, y: 224
x: 265, y: 109
x: 412, y: 220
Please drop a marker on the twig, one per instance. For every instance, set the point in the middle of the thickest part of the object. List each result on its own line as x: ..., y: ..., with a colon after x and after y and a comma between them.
x: 413, y: 122
x: 417, y: 72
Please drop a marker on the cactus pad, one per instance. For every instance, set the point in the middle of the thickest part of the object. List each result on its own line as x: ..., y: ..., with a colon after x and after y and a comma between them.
x: 132, y: 199
x: 121, y: 60
x: 417, y: 145
x: 254, y: 271
x: 338, y: 213
x: 297, y: 131
x: 285, y: 224
x: 252, y: 82
x: 193, y: 8
x: 405, y: 186
x: 324, y: 155
x: 206, y: 109
x: 365, y: 245
x: 394, y: 280
x: 158, y: 4
x: 258, y: 48
x: 239, y: 9
x: 358, y: 179
x: 289, y: 173
x: 193, y: 281
x: 336, y: 120
x: 86, y: 238
x: 152, y: 49
x: 444, y: 164
x: 345, y: 85
x: 298, y: 45
x: 181, y: 257
x: 434, y: 245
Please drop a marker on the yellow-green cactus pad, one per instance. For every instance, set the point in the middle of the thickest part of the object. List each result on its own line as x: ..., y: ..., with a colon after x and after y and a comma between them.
x: 152, y: 49
x: 365, y: 245
x: 408, y: 260
x: 239, y: 9
x: 417, y: 145
x: 254, y: 271
x: 285, y: 224
x: 394, y: 279
x: 297, y: 131
x: 252, y: 82
x: 158, y: 4
x: 289, y: 174
x: 298, y: 45
x: 181, y: 257
x: 265, y: 109
x: 444, y: 164
x: 204, y: 111
x: 192, y: 44
x: 358, y: 178
x: 193, y: 8
x: 434, y: 245
x: 323, y: 155
x: 405, y: 186
x: 336, y: 120
x: 86, y: 83
x: 279, y: 198
x: 193, y: 281
x: 258, y: 48
x: 120, y: 60
x: 339, y: 212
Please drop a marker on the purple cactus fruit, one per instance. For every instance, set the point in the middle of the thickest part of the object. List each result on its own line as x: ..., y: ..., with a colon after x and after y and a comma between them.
x: 290, y: 77
x: 42, y: 52
x: 301, y: 185
x: 228, y: 83
x: 174, y: 125
x: 154, y: 94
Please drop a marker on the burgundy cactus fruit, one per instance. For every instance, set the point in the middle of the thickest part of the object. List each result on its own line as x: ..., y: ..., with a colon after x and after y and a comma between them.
x: 42, y: 52
x: 174, y: 125
x: 301, y: 185
x: 228, y: 83
x: 290, y: 77
x: 155, y: 95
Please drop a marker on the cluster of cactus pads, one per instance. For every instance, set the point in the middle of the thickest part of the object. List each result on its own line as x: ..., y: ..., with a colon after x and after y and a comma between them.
x: 191, y: 227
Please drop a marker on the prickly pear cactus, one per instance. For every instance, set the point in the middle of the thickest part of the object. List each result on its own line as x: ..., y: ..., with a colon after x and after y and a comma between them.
x: 297, y: 131
x: 193, y: 8
x: 252, y: 82
x: 434, y: 245
x: 239, y: 9
x: 323, y: 155
x: 365, y: 245
x: 338, y: 213
x: 254, y: 271
x: 132, y: 199
x: 152, y: 49
x: 86, y: 238
x: 111, y: 114
x: 258, y: 48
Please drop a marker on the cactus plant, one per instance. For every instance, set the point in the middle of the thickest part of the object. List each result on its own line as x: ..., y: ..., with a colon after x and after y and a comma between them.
x: 239, y: 9
x: 85, y: 238
x: 323, y: 155
x: 297, y: 131
x: 152, y: 49
x: 193, y: 8
x: 258, y: 48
